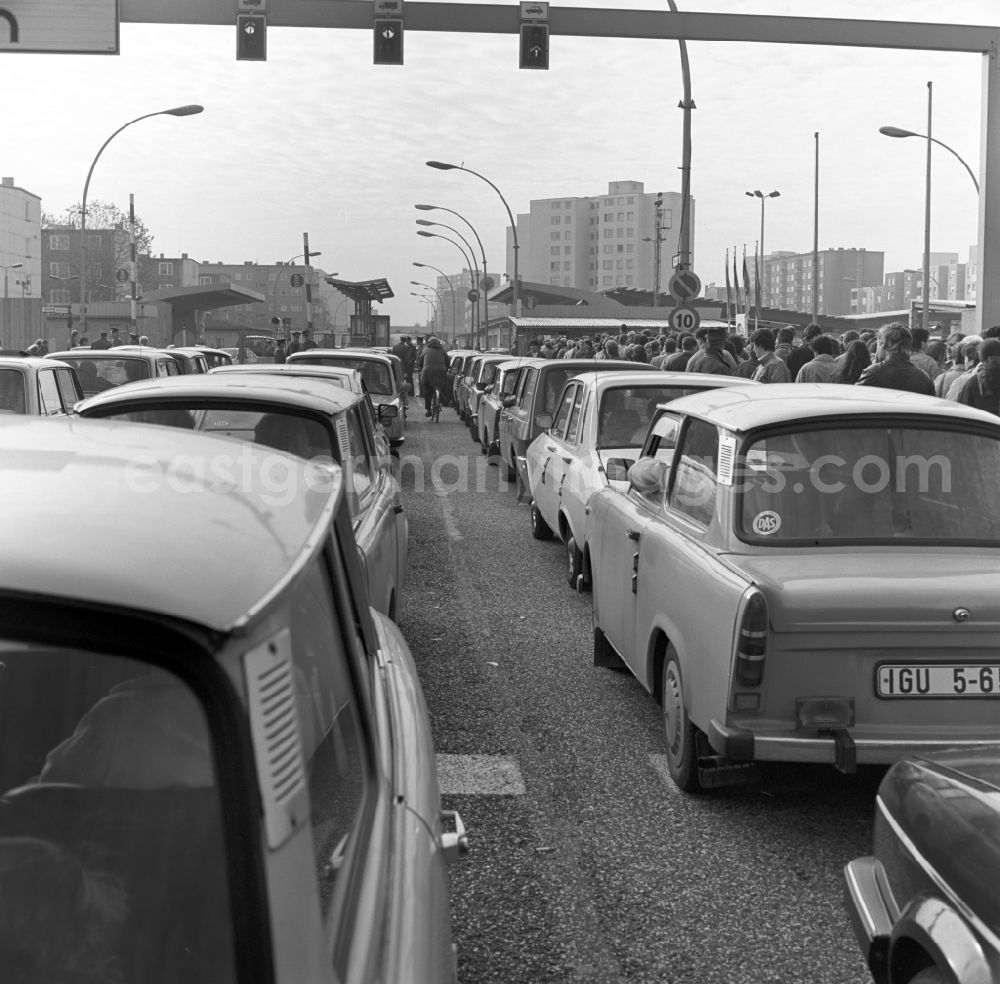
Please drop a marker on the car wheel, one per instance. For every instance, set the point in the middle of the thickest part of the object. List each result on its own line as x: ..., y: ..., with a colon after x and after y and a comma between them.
x: 540, y: 530
x: 574, y: 563
x: 681, y: 734
x: 933, y: 975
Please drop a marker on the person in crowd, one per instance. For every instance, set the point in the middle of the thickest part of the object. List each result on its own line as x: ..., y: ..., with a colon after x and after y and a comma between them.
x: 678, y: 362
x: 771, y: 368
x: 668, y: 348
x: 981, y: 387
x: 306, y: 341
x: 992, y: 332
x: 853, y: 362
x: 892, y: 368
x: 611, y: 349
x: 822, y: 368
x: 783, y: 342
x: 102, y: 342
x: 954, y: 350
x: 968, y: 360
x: 433, y: 371
x: 637, y: 353
x: 748, y: 366
x: 919, y: 356
x: 803, y: 353
x: 116, y: 338
x: 279, y: 352
x: 713, y: 356
x: 293, y: 345
x: 74, y: 339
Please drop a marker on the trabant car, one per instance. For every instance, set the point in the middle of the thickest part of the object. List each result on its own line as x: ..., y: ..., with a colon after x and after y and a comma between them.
x: 216, y: 357
x: 464, y: 372
x: 806, y: 573
x: 38, y: 387
x: 538, y: 391
x: 458, y: 359
x: 379, y: 376
x: 924, y: 905
x: 305, y: 417
x: 348, y: 379
x: 484, y: 369
x: 102, y: 369
x: 216, y: 761
x: 495, y: 397
x: 592, y: 441
x: 189, y: 359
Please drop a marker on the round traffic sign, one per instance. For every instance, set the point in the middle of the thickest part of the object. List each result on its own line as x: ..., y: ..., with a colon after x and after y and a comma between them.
x: 296, y: 280
x: 487, y: 283
x: 122, y: 275
x: 473, y: 295
x: 684, y: 285
x: 684, y: 318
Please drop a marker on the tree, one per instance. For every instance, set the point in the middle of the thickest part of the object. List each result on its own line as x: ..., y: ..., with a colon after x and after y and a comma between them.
x: 108, y: 249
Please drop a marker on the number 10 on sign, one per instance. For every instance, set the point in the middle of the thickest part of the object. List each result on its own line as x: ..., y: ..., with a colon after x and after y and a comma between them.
x: 684, y: 318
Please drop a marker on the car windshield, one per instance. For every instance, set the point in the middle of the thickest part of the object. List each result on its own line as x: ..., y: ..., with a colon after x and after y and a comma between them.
x: 377, y: 376
x: 294, y: 434
x: 112, y: 859
x: 97, y: 375
x: 895, y: 482
x: 625, y: 412
x: 12, y: 391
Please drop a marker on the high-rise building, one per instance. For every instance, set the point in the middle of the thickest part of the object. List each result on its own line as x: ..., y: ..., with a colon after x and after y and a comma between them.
x: 789, y: 280
x: 600, y: 242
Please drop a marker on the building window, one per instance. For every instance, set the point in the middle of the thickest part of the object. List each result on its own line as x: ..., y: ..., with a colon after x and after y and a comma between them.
x: 567, y: 265
x: 567, y: 250
x: 607, y: 233
x: 59, y: 270
x: 554, y: 250
x: 569, y: 204
x: 203, y: 281
x: 608, y: 264
x: 554, y: 280
x: 165, y: 269
x: 58, y: 241
x: 556, y: 219
x: 631, y: 217
x: 607, y: 281
x: 59, y: 296
x: 630, y: 232
x: 629, y: 264
x: 628, y: 281
x: 621, y: 216
x: 557, y: 204
x: 569, y: 234
x: 554, y: 235
x: 631, y: 199
x: 554, y: 265
x: 621, y: 233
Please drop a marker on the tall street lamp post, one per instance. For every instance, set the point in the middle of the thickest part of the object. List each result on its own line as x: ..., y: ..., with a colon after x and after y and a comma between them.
x: 430, y: 306
x: 471, y: 264
x: 451, y: 287
x: 759, y: 194
x: 485, y: 317
x: 6, y: 299
x: 515, y: 302
x: 475, y: 267
x: 191, y: 110
x: 440, y: 299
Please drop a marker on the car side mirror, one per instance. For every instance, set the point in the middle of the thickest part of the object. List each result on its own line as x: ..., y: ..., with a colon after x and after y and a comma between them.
x: 387, y: 411
x: 648, y: 476
x: 509, y: 401
x: 544, y: 420
x: 489, y: 389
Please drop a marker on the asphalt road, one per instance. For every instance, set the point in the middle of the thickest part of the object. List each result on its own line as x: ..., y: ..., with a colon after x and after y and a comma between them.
x: 586, y: 863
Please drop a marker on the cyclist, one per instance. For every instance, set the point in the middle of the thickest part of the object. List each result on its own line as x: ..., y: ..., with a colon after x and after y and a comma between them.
x: 433, y: 371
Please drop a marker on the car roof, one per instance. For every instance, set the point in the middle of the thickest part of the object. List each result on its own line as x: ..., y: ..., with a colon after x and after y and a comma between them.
x: 341, y: 353
x: 16, y: 361
x: 743, y: 408
x: 293, y: 369
x: 297, y: 392
x: 119, y: 352
x: 208, y: 553
x: 598, y: 365
x: 618, y: 379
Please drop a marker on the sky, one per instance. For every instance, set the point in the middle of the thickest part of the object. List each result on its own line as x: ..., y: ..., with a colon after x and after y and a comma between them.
x: 318, y: 140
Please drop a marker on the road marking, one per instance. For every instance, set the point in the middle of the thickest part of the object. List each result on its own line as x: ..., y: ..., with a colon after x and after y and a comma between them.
x: 448, y: 511
x: 479, y: 775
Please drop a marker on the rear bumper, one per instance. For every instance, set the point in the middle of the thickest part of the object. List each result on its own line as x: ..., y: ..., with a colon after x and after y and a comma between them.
x: 870, y: 906
x: 744, y: 745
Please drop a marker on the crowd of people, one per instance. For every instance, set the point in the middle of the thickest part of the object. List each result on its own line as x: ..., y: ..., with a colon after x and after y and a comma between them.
x: 963, y: 368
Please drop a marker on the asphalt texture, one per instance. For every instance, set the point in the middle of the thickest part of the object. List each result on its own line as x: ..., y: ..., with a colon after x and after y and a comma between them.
x: 600, y: 870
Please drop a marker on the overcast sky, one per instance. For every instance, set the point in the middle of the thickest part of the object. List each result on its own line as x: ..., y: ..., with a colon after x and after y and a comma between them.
x: 319, y: 140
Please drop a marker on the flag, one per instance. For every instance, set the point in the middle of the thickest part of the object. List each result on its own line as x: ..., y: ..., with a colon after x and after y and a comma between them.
x: 746, y: 281
x: 729, y: 290
x: 736, y: 281
x: 756, y: 278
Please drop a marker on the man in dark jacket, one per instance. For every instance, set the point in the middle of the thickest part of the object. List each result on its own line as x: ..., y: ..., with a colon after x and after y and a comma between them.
x: 892, y: 368
x: 981, y: 388
x: 713, y: 358
x: 433, y: 371
x: 804, y: 353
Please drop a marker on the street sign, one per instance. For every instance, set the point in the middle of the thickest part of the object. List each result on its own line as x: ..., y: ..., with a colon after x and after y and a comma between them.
x: 122, y: 275
x: 388, y: 8
x: 534, y: 10
x: 684, y: 318
x: 88, y: 27
x: 296, y: 280
x: 529, y: 301
x: 57, y: 309
x: 251, y: 6
x: 473, y: 295
x: 684, y: 285
x: 487, y: 283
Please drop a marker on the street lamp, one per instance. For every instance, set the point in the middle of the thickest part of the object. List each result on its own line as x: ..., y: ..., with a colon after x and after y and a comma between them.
x: 759, y: 194
x: 468, y: 259
x: 191, y: 110
x: 486, y: 302
x: 895, y: 131
x: 6, y: 299
x: 475, y: 267
x: 430, y: 306
x: 417, y: 283
x: 513, y: 225
x: 451, y: 287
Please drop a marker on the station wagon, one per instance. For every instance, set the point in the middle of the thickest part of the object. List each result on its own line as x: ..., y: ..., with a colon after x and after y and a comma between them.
x: 38, y: 387
x: 102, y: 369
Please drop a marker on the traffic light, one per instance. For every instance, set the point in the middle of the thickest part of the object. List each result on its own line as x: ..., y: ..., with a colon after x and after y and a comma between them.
x: 251, y: 37
x: 534, y: 46
x: 388, y: 41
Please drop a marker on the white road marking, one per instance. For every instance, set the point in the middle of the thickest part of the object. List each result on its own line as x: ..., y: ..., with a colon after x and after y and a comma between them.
x: 480, y: 775
x: 448, y: 510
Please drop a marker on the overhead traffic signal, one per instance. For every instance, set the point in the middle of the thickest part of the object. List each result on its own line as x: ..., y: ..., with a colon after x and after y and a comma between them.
x: 388, y: 41
x: 534, y: 46
x: 251, y: 37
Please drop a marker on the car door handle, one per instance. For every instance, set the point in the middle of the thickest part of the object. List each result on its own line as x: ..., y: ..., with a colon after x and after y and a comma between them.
x: 567, y: 461
x: 397, y: 509
x: 633, y: 534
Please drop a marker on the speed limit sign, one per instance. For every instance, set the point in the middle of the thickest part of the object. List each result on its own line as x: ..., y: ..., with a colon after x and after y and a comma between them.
x: 684, y: 318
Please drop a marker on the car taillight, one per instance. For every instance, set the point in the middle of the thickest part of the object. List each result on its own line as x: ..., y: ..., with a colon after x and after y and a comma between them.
x: 751, y: 642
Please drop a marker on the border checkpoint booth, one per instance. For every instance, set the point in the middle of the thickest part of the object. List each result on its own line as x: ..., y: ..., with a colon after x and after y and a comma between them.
x: 366, y: 328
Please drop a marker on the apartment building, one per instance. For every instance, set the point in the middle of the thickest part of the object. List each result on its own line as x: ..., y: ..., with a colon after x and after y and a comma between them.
x: 789, y: 280
x: 20, y: 259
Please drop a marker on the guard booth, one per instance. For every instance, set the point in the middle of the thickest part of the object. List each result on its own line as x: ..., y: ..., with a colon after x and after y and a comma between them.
x: 366, y: 329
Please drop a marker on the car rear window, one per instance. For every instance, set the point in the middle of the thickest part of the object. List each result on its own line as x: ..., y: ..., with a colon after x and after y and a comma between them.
x: 626, y: 411
x: 96, y: 375
x: 376, y: 375
x: 12, y: 391
x: 898, y: 483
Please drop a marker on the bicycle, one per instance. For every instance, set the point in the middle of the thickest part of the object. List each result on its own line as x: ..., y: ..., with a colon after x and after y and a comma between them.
x: 436, y: 404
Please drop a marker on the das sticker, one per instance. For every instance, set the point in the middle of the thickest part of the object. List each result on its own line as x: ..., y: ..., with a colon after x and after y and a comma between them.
x: 767, y: 522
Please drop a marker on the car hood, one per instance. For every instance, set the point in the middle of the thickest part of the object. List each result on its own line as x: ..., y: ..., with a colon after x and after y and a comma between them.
x: 948, y: 806
x: 877, y: 589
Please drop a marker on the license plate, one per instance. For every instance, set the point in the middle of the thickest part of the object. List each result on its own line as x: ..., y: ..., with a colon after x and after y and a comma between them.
x: 938, y: 680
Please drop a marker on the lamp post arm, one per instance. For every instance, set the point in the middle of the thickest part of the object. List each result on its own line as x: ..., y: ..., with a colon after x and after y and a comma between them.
x: 941, y: 143
x: 451, y: 287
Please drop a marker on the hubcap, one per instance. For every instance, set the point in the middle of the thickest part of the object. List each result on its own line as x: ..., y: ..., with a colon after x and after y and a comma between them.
x: 673, y: 712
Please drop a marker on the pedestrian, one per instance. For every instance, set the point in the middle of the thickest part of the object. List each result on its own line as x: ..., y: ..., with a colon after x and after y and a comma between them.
x: 892, y: 368
x: 712, y: 357
x: 783, y: 342
x: 74, y: 339
x: 102, y: 342
x: 855, y: 360
x: 822, y: 368
x: 279, y: 352
x: 293, y: 345
x: 306, y: 341
x: 678, y: 362
x: 116, y: 338
x: 919, y: 356
x: 771, y: 369
x: 948, y: 383
x: 981, y: 387
x: 804, y: 353
x: 433, y: 372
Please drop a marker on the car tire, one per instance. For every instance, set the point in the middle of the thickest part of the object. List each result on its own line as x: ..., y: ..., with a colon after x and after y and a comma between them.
x: 508, y: 471
x: 681, y: 735
x: 574, y: 563
x: 540, y: 530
